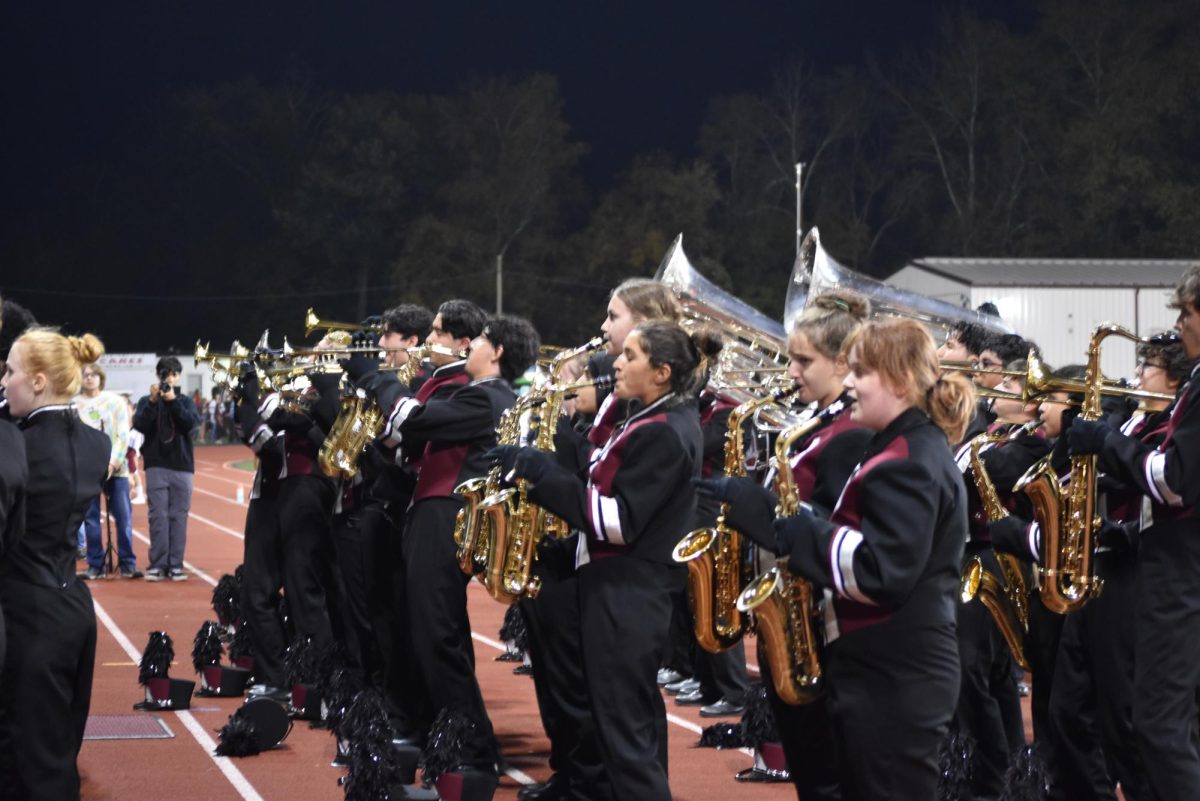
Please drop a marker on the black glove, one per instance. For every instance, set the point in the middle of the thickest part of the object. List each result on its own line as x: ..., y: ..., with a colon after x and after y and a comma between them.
x: 363, y: 364
x: 372, y: 321
x: 283, y: 420
x: 1011, y: 535
x: 791, y: 531
x: 246, y: 415
x: 1087, y: 436
x: 1116, y: 536
x: 324, y: 383
x: 1118, y: 408
x: 751, y: 506
x: 248, y: 389
x: 516, y: 462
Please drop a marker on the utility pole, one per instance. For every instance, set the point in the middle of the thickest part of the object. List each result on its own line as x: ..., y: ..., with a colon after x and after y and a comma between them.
x: 799, y: 205
x: 500, y: 283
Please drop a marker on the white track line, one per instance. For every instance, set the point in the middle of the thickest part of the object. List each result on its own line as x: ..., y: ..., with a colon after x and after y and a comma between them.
x: 210, y: 472
x: 235, y: 776
x: 218, y: 526
x: 218, y: 497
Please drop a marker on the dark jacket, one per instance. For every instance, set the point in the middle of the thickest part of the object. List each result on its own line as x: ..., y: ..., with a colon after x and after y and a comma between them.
x: 892, y: 548
x: 14, y: 478
x: 168, y: 428
x: 68, y: 465
x: 638, y: 499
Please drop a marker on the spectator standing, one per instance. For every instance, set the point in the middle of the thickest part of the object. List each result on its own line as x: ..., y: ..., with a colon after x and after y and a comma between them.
x: 108, y: 413
x: 167, y: 419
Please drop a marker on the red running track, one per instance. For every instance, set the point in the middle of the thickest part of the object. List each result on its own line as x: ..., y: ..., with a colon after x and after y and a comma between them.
x: 183, y: 768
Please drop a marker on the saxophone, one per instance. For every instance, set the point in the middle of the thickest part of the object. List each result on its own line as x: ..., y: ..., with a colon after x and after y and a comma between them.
x: 515, y: 525
x: 783, y: 604
x: 1069, y: 524
x: 1006, y: 595
x: 717, y: 570
x: 471, y: 527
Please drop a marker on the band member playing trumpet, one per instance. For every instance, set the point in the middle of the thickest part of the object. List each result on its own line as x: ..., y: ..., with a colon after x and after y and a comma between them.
x: 890, y: 554
x: 635, y: 504
x: 1167, y: 639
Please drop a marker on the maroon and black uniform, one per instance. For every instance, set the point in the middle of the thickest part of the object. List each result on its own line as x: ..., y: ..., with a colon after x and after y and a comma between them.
x: 989, y: 704
x: 455, y: 432
x: 637, y: 502
x: 1167, y: 642
x: 821, y: 465
x: 1091, y: 708
x: 889, y: 560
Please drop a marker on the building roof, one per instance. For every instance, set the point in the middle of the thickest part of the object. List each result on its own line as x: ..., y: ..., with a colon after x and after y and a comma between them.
x: 1058, y: 272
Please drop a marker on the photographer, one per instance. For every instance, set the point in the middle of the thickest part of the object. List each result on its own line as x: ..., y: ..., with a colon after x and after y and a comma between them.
x: 167, y: 419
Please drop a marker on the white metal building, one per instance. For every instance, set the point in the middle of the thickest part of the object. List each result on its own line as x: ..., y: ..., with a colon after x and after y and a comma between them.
x: 1057, y: 303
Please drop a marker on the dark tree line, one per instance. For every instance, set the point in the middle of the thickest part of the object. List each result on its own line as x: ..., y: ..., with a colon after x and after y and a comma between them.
x: 1077, y: 137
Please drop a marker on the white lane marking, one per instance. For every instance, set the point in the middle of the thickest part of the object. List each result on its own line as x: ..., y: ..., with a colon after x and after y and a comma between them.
x: 210, y: 472
x: 218, y: 526
x: 235, y: 777
x: 218, y: 497
x: 186, y: 564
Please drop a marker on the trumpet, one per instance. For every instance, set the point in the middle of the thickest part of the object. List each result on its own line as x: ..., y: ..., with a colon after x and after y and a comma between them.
x: 314, y: 323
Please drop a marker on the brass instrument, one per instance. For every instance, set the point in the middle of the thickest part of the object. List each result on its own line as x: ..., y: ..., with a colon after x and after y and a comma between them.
x: 716, y: 569
x: 1006, y: 595
x: 785, y: 609
x: 515, y: 525
x: 1069, y: 524
x: 358, y: 423
x: 226, y: 368
x: 471, y: 528
x: 1039, y: 382
x: 314, y: 323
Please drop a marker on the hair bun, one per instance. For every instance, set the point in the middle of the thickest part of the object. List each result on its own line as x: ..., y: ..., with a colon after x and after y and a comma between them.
x: 87, y: 348
x: 708, y: 342
x: 837, y: 300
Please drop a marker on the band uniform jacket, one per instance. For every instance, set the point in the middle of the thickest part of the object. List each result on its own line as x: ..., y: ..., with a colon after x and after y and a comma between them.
x: 891, y: 550
x: 1005, y: 462
x: 824, y: 461
x: 68, y: 465
x: 457, y: 430
x: 638, y: 499
x: 1169, y: 473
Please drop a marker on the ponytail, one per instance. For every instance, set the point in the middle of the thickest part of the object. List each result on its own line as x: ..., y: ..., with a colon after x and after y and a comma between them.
x: 688, y: 355
x: 950, y: 404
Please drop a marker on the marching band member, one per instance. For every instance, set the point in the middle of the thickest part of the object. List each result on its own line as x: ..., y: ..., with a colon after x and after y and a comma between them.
x: 635, y: 504
x: 823, y: 464
x: 890, y: 555
x: 1167, y: 639
x: 51, y: 624
x: 456, y: 431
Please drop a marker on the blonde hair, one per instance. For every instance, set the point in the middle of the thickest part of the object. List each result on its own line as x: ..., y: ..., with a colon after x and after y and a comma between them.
x: 647, y: 299
x: 59, y: 358
x: 830, y: 318
x: 905, y: 356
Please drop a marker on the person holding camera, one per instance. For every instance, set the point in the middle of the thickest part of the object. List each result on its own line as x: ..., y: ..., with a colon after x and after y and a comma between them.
x: 167, y: 419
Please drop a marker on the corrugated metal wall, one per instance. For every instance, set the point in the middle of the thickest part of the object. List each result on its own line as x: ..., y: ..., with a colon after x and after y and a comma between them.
x: 912, y: 279
x: 1061, y: 320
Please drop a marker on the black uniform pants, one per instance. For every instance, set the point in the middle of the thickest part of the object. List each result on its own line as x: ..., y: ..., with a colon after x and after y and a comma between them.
x: 625, y: 614
x: 1041, y: 651
x: 46, y: 689
x: 305, y: 520
x: 806, y: 734
x: 1095, y: 672
x: 408, y: 705
x: 1167, y: 658
x: 441, y: 630
x: 262, y: 576
x: 987, y: 666
x: 552, y: 620
x: 681, y: 651
x: 354, y: 543
x: 891, y: 698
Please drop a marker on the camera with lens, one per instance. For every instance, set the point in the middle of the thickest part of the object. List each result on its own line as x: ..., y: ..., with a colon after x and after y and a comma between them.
x: 163, y: 384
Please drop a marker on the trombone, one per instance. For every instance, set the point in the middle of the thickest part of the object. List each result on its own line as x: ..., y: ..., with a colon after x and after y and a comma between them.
x: 1039, y: 382
x: 314, y: 323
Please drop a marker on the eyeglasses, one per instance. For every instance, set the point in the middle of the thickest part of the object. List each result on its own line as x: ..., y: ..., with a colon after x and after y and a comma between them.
x: 1144, y: 364
x: 988, y: 364
x: 91, y: 375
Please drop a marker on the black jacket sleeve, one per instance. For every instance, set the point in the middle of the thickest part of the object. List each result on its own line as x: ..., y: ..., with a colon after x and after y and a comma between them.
x: 1007, y: 463
x: 465, y: 415
x: 14, y: 475
x: 144, y: 419
x: 184, y: 413
x: 1170, y: 476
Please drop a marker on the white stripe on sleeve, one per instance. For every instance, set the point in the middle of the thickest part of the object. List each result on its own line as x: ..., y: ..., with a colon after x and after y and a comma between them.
x: 841, y: 563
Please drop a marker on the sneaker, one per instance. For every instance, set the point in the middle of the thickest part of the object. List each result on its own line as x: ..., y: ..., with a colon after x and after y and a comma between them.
x: 130, y: 572
x: 139, y: 500
x: 92, y: 574
x: 668, y: 676
x: 683, y: 686
x: 723, y: 708
x: 177, y: 574
x: 154, y: 574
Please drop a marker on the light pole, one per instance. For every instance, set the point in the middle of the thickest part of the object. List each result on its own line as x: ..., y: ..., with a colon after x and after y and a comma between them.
x: 799, y: 205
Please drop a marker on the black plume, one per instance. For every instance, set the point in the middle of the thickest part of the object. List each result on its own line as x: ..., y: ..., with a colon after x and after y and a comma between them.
x: 362, y: 715
x: 513, y: 629
x: 300, y: 661
x: 226, y: 600
x: 444, y: 749
x: 722, y: 735
x: 1027, y: 778
x: 758, y: 724
x: 237, y: 738
x: 241, y: 646
x: 375, y: 767
x: 156, y: 659
x: 207, y: 648
x: 955, y: 755
x: 339, y: 693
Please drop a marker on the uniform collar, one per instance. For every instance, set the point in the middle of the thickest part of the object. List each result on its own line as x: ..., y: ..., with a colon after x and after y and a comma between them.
x: 449, y: 369
x: 636, y: 414
x: 60, y: 408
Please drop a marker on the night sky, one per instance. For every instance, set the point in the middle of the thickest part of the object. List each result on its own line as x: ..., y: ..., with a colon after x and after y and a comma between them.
x: 83, y: 82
